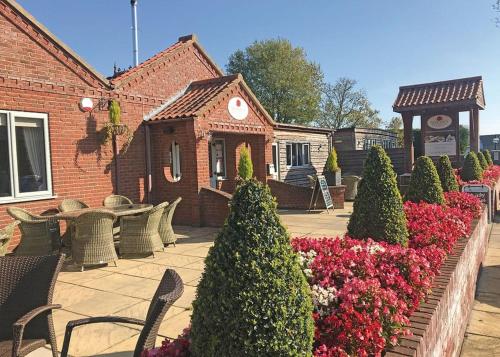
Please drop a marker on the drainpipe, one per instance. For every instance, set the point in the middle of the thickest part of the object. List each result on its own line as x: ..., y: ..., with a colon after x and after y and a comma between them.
x: 135, y: 41
x: 148, y: 184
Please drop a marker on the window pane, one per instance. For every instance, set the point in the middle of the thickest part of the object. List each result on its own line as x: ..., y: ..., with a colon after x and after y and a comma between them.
x: 294, y: 154
x: 5, y: 184
x: 220, y: 168
x: 31, y: 164
x: 306, y: 154
x: 275, y: 156
x: 300, y: 159
x: 288, y: 155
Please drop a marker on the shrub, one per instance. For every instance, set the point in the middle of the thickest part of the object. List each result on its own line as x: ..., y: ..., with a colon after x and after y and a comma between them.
x: 378, y: 207
x: 482, y: 160
x: 471, y: 170
x: 245, y: 166
x: 424, y: 183
x: 487, y: 156
x: 331, y: 162
x: 491, y: 175
x: 253, y: 299
x: 464, y: 201
x: 446, y: 174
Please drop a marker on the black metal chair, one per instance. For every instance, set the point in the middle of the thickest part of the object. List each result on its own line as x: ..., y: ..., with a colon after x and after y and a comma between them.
x: 169, y: 290
x: 26, y: 289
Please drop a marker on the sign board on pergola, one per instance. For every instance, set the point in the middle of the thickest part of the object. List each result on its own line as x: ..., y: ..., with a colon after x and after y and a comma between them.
x: 438, y: 104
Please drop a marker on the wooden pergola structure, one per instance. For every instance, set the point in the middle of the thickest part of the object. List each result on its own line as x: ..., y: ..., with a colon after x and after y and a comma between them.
x: 438, y: 104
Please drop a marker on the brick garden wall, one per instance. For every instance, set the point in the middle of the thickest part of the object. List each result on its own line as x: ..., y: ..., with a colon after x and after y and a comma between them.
x: 439, y: 324
x: 215, y: 206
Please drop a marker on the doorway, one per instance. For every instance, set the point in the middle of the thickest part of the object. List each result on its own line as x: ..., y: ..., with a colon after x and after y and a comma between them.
x: 217, y: 161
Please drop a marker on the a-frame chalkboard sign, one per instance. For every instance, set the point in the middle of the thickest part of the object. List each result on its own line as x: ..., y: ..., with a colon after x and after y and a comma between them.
x: 321, y: 186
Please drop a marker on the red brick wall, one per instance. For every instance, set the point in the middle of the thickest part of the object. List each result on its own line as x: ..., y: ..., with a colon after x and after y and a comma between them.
x: 439, y: 324
x: 215, y: 206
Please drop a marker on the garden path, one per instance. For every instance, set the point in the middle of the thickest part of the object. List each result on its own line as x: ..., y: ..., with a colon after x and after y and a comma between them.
x: 482, y: 337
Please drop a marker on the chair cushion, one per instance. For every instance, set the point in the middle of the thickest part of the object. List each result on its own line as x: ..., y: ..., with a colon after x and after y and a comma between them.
x: 26, y: 347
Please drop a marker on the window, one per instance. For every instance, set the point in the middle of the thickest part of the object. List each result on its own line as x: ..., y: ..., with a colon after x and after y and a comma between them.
x: 275, y: 159
x: 297, y: 154
x: 219, y: 158
x: 175, y: 159
x: 24, y: 156
x: 369, y: 143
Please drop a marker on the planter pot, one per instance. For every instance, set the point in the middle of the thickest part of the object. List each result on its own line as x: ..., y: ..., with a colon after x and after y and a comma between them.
x: 334, y: 178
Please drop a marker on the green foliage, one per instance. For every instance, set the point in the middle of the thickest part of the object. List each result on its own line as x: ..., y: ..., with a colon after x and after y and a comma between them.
x: 343, y: 106
x: 446, y: 174
x: 464, y: 138
x: 396, y: 126
x: 482, y: 160
x: 424, y: 182
x: 471, y: 170
x: 114, y: 112
x: 487, y: 156
x: 286, y: 83
x: 245, y: 166
x: 331, y: 162
x: 378, y: 208
x: 253, y: 299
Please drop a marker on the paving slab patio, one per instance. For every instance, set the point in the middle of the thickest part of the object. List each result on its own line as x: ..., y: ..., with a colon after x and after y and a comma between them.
x: 126, y: 290
x: 482, y: 337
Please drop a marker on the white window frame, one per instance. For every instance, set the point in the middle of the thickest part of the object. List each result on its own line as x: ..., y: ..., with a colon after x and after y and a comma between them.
x: 213, y: 143
x: 294, y: 148
x: 175, y: 159
x: 11, y: 134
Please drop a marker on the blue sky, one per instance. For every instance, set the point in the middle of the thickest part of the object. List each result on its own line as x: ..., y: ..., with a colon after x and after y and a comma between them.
x: 382, y: 44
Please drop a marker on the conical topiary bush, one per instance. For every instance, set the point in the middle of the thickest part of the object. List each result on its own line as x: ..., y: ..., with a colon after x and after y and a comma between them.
x: 487, y: 156
x: 471, y: 170
x: 424, y: 183
x: 253, y: 299
x: 446, y: 175
x: 378, y: 208
x: 482, y: 160
x: 245, y: 166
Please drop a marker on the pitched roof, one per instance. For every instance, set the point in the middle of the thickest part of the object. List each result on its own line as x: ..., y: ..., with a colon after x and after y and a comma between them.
x: 464, y: 91
x: 20, y: 11
x: 302, y: 128
x: 161, y: 57
x: 201, y: 96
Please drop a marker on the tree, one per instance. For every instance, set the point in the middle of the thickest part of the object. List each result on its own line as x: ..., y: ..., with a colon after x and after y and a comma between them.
x: 378, y: 208
x: 344, y: 106
x: 245, y: 166
x: 253, y: 299
x: 463, y: 133
x: 286, y: 83
x: 396, y: 126
x: 471, y: 169
x: 424, y: 183
x: 446, y: 174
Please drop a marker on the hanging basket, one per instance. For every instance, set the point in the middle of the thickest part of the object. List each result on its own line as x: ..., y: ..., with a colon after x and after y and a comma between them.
x: 119, y: 129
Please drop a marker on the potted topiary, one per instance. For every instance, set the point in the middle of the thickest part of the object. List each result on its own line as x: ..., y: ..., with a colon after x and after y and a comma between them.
x: 446, y: 175
x: 332, y: 171
x: 114, y: 127
x: 482, y: 160
x: 378, y: 208
x: 252, y: 299
x: 487, y: 156
x: 425, y: 184
x: 471, y: 170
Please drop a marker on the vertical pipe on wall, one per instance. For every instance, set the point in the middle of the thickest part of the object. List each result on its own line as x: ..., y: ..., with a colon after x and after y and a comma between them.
x: 135, y: 40
x: 148, y: 185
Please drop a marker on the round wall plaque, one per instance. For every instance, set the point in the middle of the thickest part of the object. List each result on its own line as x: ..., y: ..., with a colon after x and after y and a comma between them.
x: 238, y: 108
x: 439, y: 122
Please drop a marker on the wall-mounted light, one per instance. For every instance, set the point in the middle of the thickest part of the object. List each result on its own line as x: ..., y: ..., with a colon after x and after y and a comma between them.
x: 86, y: 105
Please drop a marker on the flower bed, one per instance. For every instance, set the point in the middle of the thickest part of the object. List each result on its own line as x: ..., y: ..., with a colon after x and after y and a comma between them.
x: 365, y: 292
x: 491, y: 175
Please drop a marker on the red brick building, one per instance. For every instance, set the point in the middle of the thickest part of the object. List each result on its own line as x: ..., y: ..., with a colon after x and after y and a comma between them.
x: 177, y: 105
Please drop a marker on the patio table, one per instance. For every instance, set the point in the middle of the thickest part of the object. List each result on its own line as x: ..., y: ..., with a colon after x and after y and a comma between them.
x: 119, y: 211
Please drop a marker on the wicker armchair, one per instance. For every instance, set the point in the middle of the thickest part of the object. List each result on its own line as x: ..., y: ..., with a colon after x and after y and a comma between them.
x: 167, y: 234
x: 36, y: 235
x: 5, y: 237
x: 72, y: 205
x: 169, y: 290
x: 116, y: 200
x: 26, y: 290
x: 139, y: 234
x: 92, y: 238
